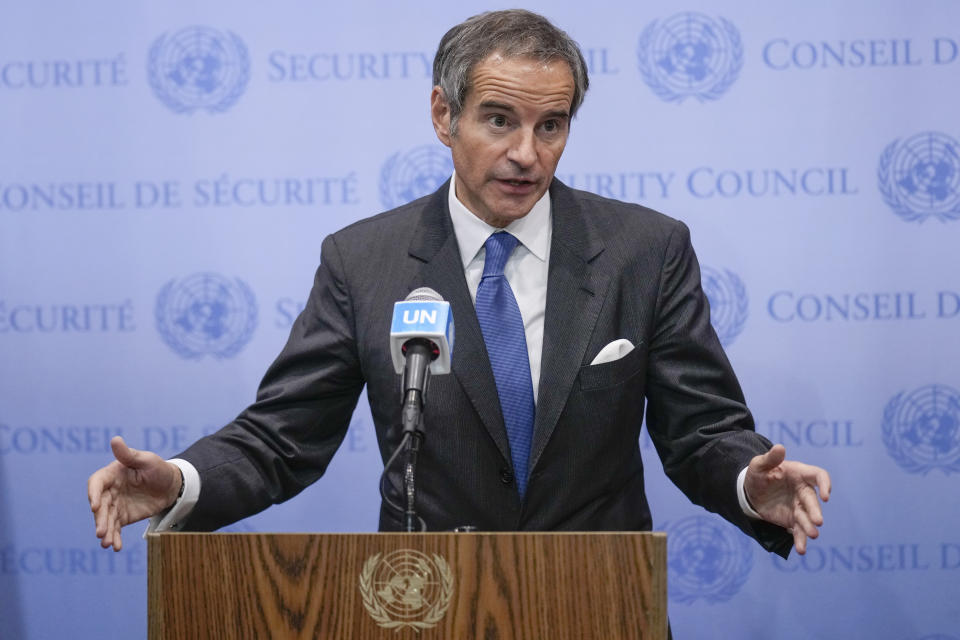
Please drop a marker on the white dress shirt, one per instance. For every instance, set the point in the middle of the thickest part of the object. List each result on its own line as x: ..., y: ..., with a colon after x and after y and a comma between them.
x: 526, y: 270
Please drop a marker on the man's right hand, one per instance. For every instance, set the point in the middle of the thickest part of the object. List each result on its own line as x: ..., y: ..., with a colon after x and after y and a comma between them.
x: 137, y: 485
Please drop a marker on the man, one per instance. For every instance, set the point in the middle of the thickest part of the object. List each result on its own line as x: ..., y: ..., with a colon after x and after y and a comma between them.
x: 570, y: 311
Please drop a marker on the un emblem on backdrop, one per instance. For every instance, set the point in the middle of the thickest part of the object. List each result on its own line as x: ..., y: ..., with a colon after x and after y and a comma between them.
x: 206, y: 314
x: 198, y: 68
x: 919, y: 178
x: 405, y: 177
x: 921, y: 429
x: 690, y: 55
x: 706, y: 559
x: 728, y: 302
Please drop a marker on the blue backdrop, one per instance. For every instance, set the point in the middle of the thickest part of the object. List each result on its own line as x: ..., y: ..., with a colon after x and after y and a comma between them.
x: 169, y: 171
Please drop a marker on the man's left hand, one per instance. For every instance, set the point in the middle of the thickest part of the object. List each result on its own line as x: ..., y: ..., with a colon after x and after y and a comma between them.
x: 784, y: 492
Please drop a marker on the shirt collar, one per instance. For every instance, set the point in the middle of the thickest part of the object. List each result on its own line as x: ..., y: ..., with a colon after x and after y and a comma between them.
x: 533, y: 229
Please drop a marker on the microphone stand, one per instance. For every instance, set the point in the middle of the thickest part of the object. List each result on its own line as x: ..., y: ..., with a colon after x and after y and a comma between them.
x: 415, y: 391
x: 410, y: 520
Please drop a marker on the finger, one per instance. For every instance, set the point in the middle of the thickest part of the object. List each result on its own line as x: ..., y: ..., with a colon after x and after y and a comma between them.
x: 101, y: 524
x: 823, y: 483
x: 107, y: 540
x: 117, y: 538
x: 814, y: 477
x: 801, y: 522
x: 125, y: 455
x: 799, y: 540
x: 94, y: 489
x: 769, y: 460
x: 811, y: 506
x: 111, y: 524
x: 100, y: 516
x: 108, y: 528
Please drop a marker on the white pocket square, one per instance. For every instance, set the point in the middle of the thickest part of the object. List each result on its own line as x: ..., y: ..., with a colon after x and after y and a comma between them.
x: 613, y: 351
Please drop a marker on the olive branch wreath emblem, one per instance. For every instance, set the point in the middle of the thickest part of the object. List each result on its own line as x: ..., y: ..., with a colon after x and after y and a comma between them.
x: 723, y: 81
x: 163, y: 92
x: 732, y: 327
x: 896, y: 449
x: 380, y: 614
x: 886, y: 183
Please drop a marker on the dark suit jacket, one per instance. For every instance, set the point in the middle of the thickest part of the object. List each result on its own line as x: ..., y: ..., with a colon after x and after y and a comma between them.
x: 616, y: 270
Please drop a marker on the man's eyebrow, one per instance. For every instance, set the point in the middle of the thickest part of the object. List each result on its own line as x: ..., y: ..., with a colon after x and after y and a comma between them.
x: 502, y: 106
x: 560, y: 113
x: 493, y: 104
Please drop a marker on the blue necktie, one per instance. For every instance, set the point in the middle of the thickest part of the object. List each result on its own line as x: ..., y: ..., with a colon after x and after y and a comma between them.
x: 506, y: 341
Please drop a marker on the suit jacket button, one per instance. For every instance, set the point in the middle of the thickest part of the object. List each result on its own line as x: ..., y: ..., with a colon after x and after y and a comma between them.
x: 506, y: 476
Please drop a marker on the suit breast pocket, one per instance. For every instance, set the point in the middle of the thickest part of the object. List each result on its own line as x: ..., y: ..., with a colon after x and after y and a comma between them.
x: 617, y: 372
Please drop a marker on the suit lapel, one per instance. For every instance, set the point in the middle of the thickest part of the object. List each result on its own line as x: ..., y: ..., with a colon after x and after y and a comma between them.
x: 434, y: 245
x: 575, y: 292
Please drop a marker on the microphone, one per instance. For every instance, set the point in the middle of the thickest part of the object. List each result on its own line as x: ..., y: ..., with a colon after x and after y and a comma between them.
x: 421, y: 342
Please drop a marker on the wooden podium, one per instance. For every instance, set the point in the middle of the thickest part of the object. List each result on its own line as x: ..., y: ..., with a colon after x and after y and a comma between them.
x: 449, y: 586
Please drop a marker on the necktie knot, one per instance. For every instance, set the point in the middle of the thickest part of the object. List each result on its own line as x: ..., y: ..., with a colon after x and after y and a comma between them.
x: 499, y: 246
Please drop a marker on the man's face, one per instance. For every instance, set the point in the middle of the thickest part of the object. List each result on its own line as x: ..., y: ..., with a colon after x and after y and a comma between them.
x: 510, y: 134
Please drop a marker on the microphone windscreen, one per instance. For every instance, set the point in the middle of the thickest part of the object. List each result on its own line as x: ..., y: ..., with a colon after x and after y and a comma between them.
x: 422, y: 314
x: 423, y: 293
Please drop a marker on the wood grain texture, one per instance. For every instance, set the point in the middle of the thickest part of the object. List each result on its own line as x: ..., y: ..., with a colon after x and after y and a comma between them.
x: 523, y: 586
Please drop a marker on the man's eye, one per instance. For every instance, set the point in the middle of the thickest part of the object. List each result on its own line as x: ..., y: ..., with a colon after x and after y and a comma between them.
x: 498, y: 121
x: 551, y: 126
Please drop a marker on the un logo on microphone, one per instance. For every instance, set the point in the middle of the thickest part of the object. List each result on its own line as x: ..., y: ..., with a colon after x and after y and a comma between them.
x: 198, y: 68
x: 406, y: 176
x: 706, y: 559
x: 921, y: 429
x: 919, y: 178
x: 206, y: 314
x: 690, y: 55
x: 728, y: 302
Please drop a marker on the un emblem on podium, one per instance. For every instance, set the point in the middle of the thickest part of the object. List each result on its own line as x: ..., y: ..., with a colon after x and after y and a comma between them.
x: 405, y: 177
x: 206, y: 314
x: 919, y: 178
x: 921, y: 429
x: 706, y: 559
x: 198, y: 68
x: 728, y: 302
x: 406, y: 588
x: 690, y: 55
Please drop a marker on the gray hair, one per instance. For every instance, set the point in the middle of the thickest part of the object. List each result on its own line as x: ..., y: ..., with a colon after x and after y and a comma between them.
x: 513, y: 33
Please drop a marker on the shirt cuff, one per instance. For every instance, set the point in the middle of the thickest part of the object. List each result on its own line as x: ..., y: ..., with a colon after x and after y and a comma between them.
x: 742, y: 496
x: 172, y: 519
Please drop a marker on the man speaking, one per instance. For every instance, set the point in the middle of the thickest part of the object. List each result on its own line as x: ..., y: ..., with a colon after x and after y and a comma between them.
x: 573, y: 315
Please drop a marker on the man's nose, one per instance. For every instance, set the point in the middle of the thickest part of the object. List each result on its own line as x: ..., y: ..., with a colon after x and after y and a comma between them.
x: 523, y: 148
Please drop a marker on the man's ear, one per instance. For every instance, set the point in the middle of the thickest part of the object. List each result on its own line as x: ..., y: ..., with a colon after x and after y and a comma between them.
x: 440, y: 114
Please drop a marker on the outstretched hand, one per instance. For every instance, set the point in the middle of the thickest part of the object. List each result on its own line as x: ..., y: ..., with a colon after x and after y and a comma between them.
x: 784, y: 492
x: 137, y: 485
